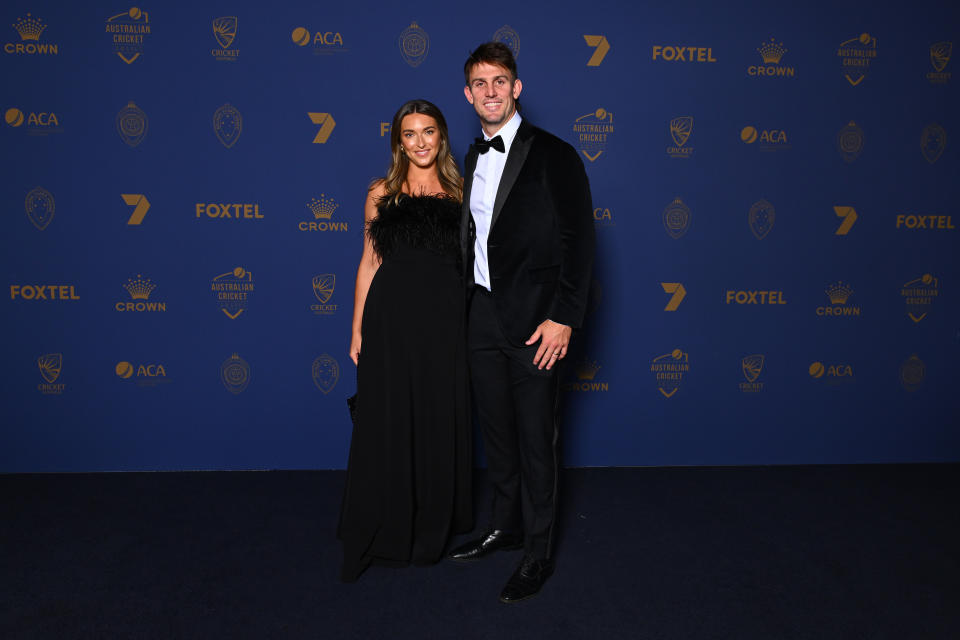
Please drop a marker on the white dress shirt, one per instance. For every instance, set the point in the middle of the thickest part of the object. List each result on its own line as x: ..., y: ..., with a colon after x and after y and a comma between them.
x: 486, y: 179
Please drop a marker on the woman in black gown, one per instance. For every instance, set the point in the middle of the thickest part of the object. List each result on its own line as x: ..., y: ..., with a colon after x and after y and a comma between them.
x: 408, y: 476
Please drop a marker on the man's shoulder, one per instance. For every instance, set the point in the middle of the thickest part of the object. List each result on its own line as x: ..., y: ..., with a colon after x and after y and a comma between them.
x: 546, y: 140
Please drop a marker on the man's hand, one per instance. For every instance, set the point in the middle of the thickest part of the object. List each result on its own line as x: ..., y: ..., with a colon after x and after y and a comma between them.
x: 554, y: 339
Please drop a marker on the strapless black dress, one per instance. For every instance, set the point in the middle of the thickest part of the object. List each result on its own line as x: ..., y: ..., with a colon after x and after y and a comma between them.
x: 409, y: 471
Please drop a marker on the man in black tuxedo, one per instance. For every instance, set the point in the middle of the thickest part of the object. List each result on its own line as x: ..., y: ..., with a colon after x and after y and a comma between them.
x: 528, y: 242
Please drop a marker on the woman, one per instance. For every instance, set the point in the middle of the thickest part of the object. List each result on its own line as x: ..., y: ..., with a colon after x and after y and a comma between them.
x: 408, y: 476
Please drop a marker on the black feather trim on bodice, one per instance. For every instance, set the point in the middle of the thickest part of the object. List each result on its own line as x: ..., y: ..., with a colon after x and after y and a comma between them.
x: 422, y: 222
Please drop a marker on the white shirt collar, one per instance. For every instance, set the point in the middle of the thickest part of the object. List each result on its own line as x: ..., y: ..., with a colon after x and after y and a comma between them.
x: 508, y: 131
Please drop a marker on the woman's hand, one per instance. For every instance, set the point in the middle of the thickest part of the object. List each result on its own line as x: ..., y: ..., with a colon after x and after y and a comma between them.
x: 355, y: 348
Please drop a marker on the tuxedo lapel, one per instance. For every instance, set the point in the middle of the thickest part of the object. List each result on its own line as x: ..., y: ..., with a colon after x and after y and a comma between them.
x: 515, y: 159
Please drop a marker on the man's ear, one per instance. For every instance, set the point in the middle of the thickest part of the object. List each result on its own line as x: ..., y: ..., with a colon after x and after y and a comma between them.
x: 517, y: 88
x: 466, y: 92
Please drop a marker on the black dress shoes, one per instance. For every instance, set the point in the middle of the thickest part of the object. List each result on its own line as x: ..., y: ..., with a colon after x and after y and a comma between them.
x: 527, y: 580
x: 496, y: 540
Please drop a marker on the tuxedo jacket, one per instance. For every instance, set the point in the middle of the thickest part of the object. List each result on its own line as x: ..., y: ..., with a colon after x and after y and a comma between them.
x: 541, y: 243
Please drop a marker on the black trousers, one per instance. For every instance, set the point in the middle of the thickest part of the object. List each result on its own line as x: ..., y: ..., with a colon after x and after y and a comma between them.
x: 516, y: 406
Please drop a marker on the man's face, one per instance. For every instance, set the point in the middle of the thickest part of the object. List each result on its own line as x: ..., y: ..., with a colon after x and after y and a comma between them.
x: 493, y: 92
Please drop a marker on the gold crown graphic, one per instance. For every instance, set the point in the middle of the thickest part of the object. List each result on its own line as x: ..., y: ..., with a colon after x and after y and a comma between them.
x: 29, y: 28
x: 772, y: 52
x: 139, y: 289
x: 587, y: 369
x: 839, y: 292
x: 323, y: 207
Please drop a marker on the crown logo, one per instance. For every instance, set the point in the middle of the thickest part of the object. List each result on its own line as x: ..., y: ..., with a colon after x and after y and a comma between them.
x: 29, y: 28
x: 587, y: 369
x: 139, y: 289
x: 323, y: 207
x: 839, y: 292
x: 771, y: 52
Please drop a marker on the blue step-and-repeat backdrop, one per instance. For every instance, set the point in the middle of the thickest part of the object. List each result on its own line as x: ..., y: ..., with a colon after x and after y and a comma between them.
x: 775, y: 192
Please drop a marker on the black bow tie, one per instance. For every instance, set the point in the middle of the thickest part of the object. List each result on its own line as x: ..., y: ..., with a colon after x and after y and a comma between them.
x: 485, y: 145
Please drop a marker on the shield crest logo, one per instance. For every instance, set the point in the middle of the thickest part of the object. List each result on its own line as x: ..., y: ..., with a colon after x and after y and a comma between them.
x: 325, y: 372
x: 414, y: 44
x: 508, y: 36
x: 850, y: 141
x: 752, y: 366
x: 50, y: 366
x: 680, y: 129
x: 132, y: 124
x: 912, y: 373
x: 933, y: 141
x: 235, y: 374
x: 761, y: 218
x: 676, y: 219
x: 225, y: 30
x: 40, y: 207
x: 227, y: 124
x: 940, y: 55
x: 323, y: 286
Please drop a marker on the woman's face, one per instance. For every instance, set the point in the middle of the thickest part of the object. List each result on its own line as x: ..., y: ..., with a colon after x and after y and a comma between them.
x: 420, y: 139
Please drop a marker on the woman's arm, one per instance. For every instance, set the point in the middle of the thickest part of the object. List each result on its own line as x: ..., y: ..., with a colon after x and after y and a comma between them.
x: 369, y: 263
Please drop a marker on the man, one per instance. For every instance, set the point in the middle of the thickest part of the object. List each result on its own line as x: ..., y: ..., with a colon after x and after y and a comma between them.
x: 528, y: 265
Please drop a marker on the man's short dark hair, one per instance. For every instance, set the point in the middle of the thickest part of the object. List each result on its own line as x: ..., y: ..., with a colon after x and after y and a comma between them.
x: 495, y: 53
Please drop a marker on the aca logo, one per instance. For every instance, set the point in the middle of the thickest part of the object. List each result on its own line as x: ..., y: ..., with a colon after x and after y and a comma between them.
x: 40, y: 207
x: 508, y: 35
x: 755, y: 297
x: 680, y: 53
x: 912, y: 373
x: 600, y: 48
x: 145, y: 375
x: 586, y: 373
x: 225, y: 32
x: 128, y: 32
x: 29, y: 29
x: 414, y: 44
x: 939, y: 57
x: 761, y: 217
x: 51, y: 365
x: 603, y: 217
x: 919, y: 295
x: 325, y: 372
x: 680, y: 130
x: 139, y: 302
x: 592, y: 130
x: 771, y: 53
x: 326, y: 122
x: 322, y: 209
x: 839, y: 294
x: 235, y: 374
x: 768, y: 139
x: 140, y: 206
x: 933, y: 140
x: 132, y: 124
x: 676, y: 219
x: 850, y: 142
x: 849, y: 217
x: 43, y: 292
x: 916, y: 221
x: 752, y: 366
x: 228, y: 211
x: 38, y: 123
x: 678, y: 293
x: 668, y: 371
x: 227, y: 125
x: 323, y: 43
x: 323, y: 286
x: 855, y: 56
x: 831, y: 373
x: 232, y: 291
